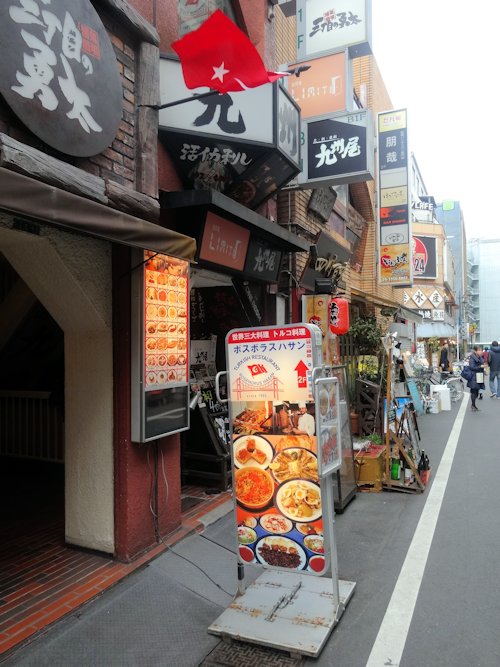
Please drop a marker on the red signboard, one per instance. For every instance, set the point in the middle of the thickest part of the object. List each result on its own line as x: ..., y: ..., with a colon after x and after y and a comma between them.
x: 224, y: 242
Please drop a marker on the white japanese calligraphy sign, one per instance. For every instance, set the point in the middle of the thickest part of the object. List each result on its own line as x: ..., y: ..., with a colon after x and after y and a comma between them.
x: 246, y: 115
x: 435, y: 298
x: 325, y: 27
x: 419, y: 297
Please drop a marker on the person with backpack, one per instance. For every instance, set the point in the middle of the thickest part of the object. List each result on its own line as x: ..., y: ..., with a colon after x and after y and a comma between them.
x: 494, y: 365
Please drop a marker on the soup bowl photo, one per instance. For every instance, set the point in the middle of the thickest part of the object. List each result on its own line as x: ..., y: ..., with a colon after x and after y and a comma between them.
x: 253, y: 487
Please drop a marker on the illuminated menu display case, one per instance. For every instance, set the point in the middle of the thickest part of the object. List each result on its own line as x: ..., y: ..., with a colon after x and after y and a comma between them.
x: 160, y: 346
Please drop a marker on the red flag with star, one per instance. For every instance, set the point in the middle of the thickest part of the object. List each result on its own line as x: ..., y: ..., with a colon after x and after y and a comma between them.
x: 219, y: 55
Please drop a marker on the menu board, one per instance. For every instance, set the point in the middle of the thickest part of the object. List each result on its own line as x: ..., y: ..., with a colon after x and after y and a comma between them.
x: 278, y: 501
x: 278, y: 498
x: 165, y: 320
x: 327, y: 399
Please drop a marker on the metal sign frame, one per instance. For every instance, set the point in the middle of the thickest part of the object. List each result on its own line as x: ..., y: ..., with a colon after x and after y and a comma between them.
x: 329, y: 438
x: 281, y: 607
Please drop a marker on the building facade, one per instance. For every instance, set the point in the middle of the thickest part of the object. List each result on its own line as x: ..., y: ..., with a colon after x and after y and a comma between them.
x: 433, y: 292
x: 483, y: 266
x: 87, y: 188
x: 450, y: 215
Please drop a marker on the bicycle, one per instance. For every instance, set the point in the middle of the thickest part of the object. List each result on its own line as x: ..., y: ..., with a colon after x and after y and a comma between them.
x: 425, y: 378
x: 454, y: 384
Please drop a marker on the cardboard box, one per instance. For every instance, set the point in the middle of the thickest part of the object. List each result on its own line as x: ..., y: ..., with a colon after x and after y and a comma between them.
x: 370, y: 465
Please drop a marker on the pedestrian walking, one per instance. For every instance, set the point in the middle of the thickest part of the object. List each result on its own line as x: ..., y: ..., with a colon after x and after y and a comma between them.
x: 476, y: 365
x: 444, y: 363
x: 484, y: 355
x: 494, y: 366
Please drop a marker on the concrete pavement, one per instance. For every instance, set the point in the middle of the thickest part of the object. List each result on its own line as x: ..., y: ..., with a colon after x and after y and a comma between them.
x: 159, y: 615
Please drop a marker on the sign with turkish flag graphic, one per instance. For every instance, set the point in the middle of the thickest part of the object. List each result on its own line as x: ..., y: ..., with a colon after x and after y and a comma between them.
x: 272, y: 363
x: 276, y: 486
x: 219, y: 55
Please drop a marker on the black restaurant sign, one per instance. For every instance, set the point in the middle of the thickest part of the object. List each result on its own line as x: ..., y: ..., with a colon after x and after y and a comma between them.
x: 59, y: 74
x: 330, y: 262
x: 263, y: 261
x: 338, y: 149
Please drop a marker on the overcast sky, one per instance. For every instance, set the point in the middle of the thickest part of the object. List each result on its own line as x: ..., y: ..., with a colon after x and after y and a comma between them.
x: 439, y: 59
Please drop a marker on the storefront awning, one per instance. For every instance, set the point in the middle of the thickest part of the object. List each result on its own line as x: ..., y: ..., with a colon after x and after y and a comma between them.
x: 38, y: 201
x: 409, y: 314
x: 438, y: 329
x: 214, y: 201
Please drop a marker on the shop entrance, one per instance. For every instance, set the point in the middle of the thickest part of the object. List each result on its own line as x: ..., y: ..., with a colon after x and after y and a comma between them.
x: 57, y: 375
x: 218, y: 303
x: 31, y: 405
x: 56, y: 419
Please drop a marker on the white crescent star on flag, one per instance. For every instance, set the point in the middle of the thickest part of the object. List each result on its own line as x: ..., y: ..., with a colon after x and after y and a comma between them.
x: 219, y: 72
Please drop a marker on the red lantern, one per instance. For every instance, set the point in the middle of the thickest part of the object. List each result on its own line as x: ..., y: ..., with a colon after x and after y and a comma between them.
x: 338, y: 315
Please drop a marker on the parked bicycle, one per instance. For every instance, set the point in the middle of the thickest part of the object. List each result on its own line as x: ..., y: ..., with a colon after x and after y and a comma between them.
x: 425, y: 378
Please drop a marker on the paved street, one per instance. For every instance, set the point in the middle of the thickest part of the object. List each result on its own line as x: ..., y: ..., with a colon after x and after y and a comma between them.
x: 432, y: 602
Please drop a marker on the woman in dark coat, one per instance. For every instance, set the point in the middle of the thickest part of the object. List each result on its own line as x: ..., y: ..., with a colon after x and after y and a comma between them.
x: 476, y: 364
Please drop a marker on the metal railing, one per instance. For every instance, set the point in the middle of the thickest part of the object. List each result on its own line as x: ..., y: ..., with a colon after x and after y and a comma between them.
x: 31, y: 426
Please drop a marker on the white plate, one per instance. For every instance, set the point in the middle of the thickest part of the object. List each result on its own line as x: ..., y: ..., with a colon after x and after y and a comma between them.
x: 308, y: 539
x: 271, y: 540
x: 261, y: 443
x: 319, y: 559
x: 293, y: 511
x: 246, y: 535
x: 246, y: 554
x: 287, y: 525
x: 282, y: 456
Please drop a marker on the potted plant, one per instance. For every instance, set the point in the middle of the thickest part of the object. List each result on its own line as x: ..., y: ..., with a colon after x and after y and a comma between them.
x: 366, y: 335
x: 433, y: 343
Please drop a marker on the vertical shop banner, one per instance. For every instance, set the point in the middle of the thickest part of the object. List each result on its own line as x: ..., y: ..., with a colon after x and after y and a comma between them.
x: 276, y: 485
x: 315, y: 311
x: 394, y: 220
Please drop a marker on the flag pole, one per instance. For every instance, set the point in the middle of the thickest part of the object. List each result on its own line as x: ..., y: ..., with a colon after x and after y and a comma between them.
x: 156, y: 107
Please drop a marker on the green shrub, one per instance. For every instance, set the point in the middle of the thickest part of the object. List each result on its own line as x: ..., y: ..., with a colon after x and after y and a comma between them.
x: 366, y: 335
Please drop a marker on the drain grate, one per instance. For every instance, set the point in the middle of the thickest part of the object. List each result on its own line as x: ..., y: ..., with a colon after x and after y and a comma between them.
x: 240, y: 654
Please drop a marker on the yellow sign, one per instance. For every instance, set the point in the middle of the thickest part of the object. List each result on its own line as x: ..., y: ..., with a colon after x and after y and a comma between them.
x: 395, y: 264
x: 315, y: 311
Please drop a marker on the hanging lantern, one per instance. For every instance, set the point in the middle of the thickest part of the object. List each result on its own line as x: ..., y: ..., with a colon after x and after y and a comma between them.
x: 338, y: 315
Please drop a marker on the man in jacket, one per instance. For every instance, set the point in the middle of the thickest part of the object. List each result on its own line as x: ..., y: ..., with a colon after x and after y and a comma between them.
x: 494, y: 364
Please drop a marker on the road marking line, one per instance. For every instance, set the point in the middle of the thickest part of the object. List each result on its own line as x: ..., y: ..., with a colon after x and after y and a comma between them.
x: 391, y: 639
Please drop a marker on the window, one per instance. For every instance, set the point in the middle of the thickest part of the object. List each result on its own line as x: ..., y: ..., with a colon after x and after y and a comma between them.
x: 192, y: 13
